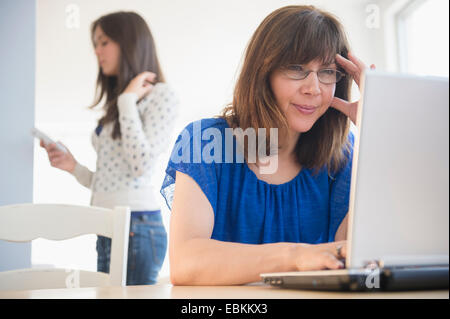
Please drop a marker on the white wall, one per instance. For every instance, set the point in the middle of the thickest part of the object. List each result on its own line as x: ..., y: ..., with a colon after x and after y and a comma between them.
x: 200, y: 45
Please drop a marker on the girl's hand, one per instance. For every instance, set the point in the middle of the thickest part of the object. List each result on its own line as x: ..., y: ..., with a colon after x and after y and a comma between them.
x: 58, y: 158
x: 322, y: 256
x: 141, y: 84
x: 355, y: 67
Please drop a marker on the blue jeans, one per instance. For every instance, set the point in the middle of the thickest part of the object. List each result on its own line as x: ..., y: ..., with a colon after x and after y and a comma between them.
x: 146, y: 248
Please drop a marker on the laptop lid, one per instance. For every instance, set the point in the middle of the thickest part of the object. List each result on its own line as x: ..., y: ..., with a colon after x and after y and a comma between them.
x: 399, y: 200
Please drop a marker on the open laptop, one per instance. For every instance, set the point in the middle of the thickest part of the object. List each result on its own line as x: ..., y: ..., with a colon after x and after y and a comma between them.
x: 398, y: 235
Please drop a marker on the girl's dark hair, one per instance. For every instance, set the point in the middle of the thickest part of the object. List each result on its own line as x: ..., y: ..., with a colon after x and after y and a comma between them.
x: 293, y: 35
x: 137, y: 54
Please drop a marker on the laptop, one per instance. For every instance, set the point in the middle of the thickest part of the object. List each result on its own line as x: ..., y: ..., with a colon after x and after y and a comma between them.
x: 398, y: 235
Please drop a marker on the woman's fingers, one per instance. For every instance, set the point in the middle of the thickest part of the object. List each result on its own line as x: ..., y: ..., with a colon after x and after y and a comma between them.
x: 341, y: 105
x: 327, y: 260
x: 354, y: 66
x: 322, y: 256
x: 348, y: 65
x: 360, y: 64
x: 340, y: 249
x: 318, y: 261
x: 335, y: 248
x: 344, y: 250
x: 349, y: 109
x: 331, y: 258
x: 331, y: 262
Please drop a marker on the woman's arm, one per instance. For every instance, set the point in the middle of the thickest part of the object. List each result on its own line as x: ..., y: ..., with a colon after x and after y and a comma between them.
x: 341, y: 233
x: 196, y: 259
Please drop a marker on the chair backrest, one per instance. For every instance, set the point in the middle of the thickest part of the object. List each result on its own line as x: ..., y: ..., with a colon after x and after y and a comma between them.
x: 25, y: 222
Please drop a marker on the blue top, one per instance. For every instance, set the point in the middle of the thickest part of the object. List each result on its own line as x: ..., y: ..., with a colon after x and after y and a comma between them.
x: 307, y: 209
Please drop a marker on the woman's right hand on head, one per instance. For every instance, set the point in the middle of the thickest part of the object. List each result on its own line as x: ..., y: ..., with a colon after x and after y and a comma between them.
x: 58, y: 158
x: 321, y: 256
x: 355, y: 67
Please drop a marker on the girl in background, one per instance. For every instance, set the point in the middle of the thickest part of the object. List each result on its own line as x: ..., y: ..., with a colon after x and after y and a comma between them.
x: 139, y: 111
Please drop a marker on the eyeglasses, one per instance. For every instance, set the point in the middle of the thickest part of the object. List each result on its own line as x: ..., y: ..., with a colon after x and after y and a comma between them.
x: 326, y: 76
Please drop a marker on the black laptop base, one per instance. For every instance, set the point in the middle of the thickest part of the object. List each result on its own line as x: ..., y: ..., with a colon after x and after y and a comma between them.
x: 385, y: 279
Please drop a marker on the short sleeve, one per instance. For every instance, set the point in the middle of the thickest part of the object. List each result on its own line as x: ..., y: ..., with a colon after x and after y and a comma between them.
x: 340, y: 192
x: 185, y: 158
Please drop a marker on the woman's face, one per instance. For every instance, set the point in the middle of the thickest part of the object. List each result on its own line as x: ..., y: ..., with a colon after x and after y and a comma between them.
x: 302, y: 101
x: 107, y: 52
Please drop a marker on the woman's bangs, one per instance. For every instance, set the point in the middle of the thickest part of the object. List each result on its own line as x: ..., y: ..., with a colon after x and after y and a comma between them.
x: 308, y: 44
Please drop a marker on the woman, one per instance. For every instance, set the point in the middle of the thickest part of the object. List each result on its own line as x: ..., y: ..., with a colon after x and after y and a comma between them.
x: 231, y: 222
x: 135, y: 128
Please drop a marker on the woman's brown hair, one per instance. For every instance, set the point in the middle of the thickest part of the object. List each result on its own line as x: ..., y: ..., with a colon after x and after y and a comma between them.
x: 137, y: 54
x: 293, y: 35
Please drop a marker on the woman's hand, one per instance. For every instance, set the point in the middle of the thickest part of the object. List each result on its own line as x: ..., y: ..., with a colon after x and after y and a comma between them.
x: 355, y: 67
x: 322, y: 256
x: 58, y: 158
x: 141, y: 84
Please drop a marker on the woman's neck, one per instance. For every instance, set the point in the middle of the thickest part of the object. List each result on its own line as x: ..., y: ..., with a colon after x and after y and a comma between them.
x: 287, y: 166
x: 287, y: 146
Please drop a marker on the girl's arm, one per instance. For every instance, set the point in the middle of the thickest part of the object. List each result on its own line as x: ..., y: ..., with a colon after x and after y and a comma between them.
x: 83, y: 175
x: 196, y: 259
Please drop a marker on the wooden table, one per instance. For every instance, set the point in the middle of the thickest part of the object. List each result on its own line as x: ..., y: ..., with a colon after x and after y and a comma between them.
x: 167, y: 291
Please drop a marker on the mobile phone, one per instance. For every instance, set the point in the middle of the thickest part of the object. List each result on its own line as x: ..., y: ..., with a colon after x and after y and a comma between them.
x: 47, y: 140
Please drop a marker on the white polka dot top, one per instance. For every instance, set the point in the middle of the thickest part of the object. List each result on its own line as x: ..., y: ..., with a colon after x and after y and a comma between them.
x: 124, y: 166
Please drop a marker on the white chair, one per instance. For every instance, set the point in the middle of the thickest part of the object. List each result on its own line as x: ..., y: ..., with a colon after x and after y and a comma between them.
x: 25, y: 222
